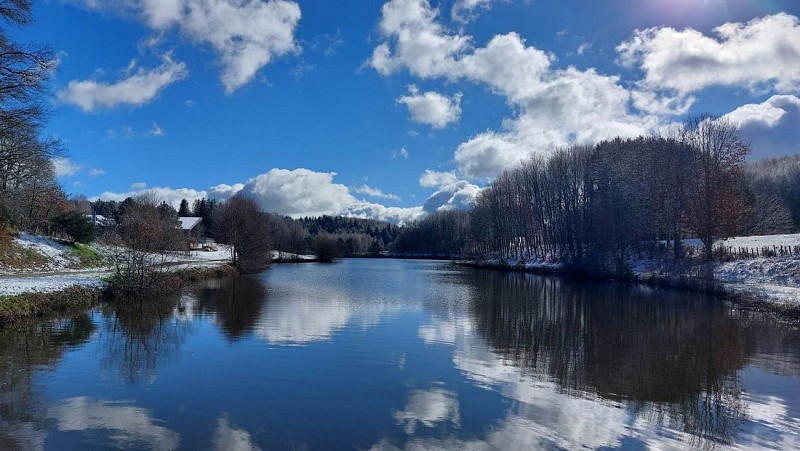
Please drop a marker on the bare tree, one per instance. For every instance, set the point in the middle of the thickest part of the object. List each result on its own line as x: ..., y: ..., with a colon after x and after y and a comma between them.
x: 142, y: 243
x: 240, y: 223
x: 717, y: 201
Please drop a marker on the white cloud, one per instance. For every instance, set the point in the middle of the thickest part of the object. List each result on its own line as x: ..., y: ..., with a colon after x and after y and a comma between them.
x: 224, y: 192
x: 464, y: 11
x: 375, y: 192
x: 94, y: 172
x: 773, y: 127
x: 553, y: 107
x: 432, y: 108
x: 137, y: 89
x: 246, y: 34
x: 456, y: 196
x: 420, y: 43
x: 434, y: 179
x: 762, y: 53
x: 402, y: 153
x: 302, y: 192
x: 166, y: 194
x: 155, y: 130
x: 298, y: 192
x: 63, y: 167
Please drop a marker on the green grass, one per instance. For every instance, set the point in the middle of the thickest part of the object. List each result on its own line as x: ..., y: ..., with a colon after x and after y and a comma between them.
x: 88, y: 255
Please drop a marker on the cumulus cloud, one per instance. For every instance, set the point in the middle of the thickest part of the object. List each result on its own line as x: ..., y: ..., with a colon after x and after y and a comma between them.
x: 302, y: 192
x: 223, y: 191
x: 298, y: 192
x: 432, y: 108
x: 94, y: 172
x: 773, y: 127
x: 166, y: 194
x: 139, y: 87
x: 420, y: 43
x: 464, y: 11
x: 455, y: 196
x: 553, y: 107
x: 63, y: 167
x: 375, y: 192
x: 434, y: 179
x: 764, y: 52
x: 246, y: 34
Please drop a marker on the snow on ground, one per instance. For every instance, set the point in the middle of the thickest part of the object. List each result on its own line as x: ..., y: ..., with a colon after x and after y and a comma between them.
x: 10, y: 286
x: 773, y: 271
x: 276, y: 255
x: 751, y: 242
x: 59, y: 255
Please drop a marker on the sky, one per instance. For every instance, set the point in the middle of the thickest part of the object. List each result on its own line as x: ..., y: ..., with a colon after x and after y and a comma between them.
x: 393, y: 109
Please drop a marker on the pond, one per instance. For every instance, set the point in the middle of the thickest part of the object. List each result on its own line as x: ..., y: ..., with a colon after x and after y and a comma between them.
x: 403, y: 354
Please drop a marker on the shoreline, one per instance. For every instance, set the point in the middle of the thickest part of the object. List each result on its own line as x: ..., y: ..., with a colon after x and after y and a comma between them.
x: 743, y: 295
x: 75, y: 299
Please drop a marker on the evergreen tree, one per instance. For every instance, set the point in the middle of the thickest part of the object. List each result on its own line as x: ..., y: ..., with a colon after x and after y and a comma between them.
x: 183, y: 210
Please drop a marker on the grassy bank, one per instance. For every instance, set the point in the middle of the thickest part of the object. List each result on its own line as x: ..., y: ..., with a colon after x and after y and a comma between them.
x: 72, y: 300
x: 76, y: 299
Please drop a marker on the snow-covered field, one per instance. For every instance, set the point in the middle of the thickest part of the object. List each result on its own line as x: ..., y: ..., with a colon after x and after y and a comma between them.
x: 58, y: 256
x: 751, y: 242
x: 58, y: 272
x: 14, y: 285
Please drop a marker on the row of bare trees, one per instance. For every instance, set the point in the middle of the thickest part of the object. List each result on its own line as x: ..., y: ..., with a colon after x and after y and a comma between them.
x: 595, y: 206
x: 591, y: 206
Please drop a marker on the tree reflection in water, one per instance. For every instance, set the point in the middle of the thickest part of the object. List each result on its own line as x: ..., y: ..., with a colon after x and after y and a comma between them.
x: 139, y: 335
x: 671, y: 356
x: 26, y: 349
x: 236, y: 303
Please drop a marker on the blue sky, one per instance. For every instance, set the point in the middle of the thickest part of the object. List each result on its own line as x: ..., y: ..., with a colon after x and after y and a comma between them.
x: 413, y: 104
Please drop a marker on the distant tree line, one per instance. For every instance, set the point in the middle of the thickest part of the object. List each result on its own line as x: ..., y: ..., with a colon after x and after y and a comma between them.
x: 596, y: 206
x: 773, y: 196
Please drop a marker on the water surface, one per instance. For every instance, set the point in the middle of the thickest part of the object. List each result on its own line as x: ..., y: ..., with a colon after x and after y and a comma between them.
x: 388, y: 354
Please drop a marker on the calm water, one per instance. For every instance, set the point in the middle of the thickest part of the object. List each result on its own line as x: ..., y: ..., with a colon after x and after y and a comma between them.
x: 383, y: 354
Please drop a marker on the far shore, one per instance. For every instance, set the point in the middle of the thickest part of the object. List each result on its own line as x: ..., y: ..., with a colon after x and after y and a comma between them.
x: 751, y: 296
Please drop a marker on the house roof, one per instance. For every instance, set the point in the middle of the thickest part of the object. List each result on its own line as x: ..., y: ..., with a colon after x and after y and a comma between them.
x: 189, y: 223
x: 99, y: 219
